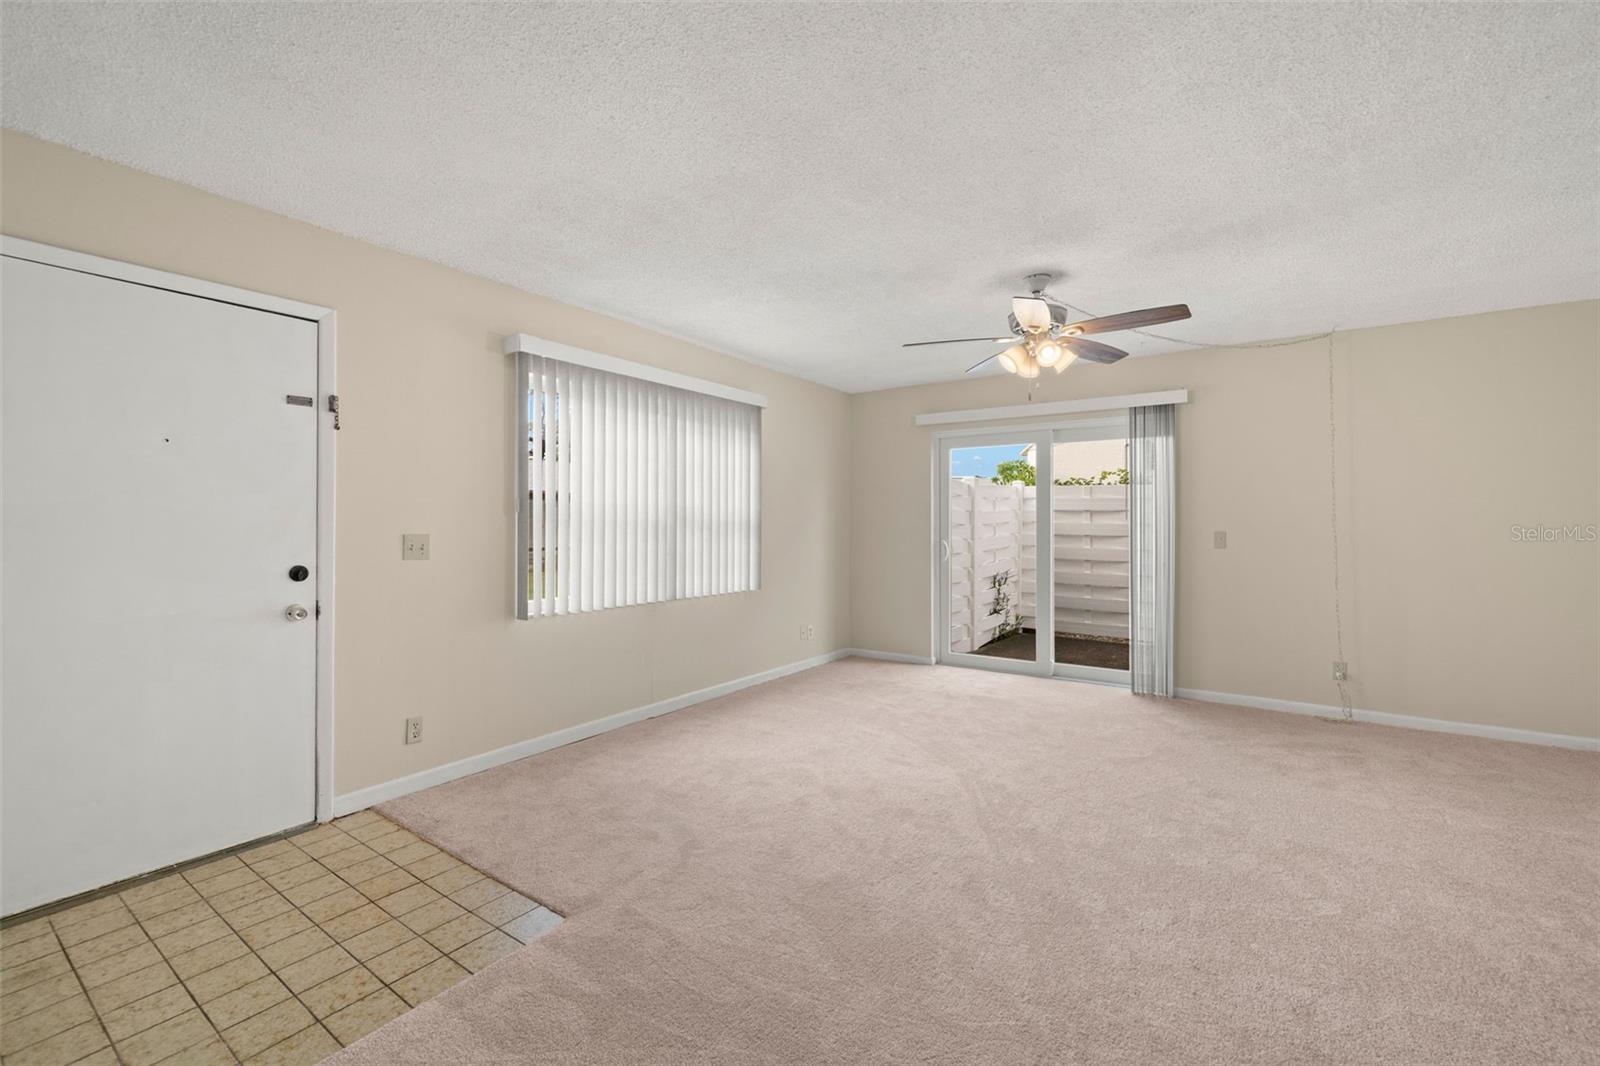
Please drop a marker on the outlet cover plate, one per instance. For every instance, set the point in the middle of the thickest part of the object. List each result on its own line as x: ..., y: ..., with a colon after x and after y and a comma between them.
x: 414, y: 547
x: 414, y: 730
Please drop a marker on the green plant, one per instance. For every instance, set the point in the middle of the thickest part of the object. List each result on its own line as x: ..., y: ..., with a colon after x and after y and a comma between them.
x: 1002, y: 606
x: 1118, y: 476
x: 1012, y: 472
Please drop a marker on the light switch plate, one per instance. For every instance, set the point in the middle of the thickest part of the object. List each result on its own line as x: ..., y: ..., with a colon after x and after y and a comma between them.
x: 414, y: 547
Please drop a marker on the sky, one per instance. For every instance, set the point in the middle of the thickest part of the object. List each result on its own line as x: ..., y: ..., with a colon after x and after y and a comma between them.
x: 980, y: 462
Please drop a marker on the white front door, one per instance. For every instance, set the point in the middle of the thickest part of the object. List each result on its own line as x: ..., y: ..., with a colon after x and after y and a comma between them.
x: 159, y: 489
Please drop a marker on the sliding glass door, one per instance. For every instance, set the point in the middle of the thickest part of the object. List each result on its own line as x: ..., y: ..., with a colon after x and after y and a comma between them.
x: 1089, y: 532
x: 994, y: 583
x: 1033, y: 550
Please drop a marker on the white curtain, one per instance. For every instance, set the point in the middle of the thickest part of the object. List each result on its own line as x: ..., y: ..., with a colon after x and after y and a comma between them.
x: 637, y: 492
x: 1152, y: 522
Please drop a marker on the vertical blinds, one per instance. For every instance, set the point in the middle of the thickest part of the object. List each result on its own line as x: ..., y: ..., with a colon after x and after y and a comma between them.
x: 637, y: 492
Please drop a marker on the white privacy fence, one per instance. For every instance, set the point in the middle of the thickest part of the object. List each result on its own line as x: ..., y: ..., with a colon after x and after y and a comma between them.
x: 994, y: 560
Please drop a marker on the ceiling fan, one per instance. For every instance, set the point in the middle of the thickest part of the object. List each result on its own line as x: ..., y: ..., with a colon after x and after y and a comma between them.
x: 1043, y: 334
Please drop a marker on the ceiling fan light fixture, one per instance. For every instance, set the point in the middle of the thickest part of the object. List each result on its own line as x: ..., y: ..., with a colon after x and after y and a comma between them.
x: 1042, y: 337
x: 1032, y: 313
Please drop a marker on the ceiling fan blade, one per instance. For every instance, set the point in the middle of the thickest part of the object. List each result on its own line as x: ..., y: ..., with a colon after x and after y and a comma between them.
x: 1032, y: 313
x: 983, y: 362
x: 1150, y: 316
x: 958, y: 340
x: 1093, y: 351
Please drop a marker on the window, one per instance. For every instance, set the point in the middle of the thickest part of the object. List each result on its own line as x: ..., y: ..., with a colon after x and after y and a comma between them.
x: 638, y: 490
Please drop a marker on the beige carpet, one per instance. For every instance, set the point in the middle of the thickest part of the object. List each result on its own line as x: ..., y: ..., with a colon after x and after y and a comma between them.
x: 875, y: 863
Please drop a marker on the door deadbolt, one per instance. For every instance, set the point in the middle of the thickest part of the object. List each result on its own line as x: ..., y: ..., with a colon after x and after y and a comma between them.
x: 298, y: 573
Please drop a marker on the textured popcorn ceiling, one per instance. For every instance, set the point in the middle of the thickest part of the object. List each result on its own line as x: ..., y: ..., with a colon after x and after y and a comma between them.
x: 810, y: 185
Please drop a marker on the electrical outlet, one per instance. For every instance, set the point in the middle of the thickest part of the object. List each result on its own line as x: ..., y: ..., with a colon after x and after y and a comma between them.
x: 414, y: 547
x: 807, y: 632
x: 413, y: 730
x: 1341, y: 671
x: 1219, y: 539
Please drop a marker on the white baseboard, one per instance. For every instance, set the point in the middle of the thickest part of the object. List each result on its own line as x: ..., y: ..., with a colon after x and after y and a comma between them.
x: 438, y: 775
x: 1403, y: 721
x: 473, y: 764
x: 891, y: 656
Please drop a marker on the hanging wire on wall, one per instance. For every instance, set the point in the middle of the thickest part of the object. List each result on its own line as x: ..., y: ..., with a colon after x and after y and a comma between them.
x: 1341, y: 672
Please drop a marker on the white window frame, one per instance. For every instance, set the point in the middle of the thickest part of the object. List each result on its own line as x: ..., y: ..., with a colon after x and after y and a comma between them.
x: 525, y: 348
x: 529, y: 345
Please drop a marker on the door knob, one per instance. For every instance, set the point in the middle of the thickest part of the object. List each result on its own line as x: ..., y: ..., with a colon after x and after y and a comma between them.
x: 296, y: 613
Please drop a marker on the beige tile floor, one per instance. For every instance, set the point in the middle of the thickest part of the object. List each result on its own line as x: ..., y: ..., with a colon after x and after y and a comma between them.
x: 278, y: 953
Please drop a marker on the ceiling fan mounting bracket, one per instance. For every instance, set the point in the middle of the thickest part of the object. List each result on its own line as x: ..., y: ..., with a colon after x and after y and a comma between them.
x: 1037, y: 283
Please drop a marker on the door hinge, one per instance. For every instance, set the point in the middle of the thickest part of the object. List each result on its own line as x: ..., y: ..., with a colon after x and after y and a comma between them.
x: 316, y: 609
x: 333, y: 408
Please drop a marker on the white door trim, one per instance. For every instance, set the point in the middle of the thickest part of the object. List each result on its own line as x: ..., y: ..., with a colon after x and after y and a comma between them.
x: 326, y: 320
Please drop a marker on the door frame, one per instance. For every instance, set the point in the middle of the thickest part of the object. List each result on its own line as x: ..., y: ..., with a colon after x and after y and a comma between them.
x: 1097, y: 425
x: 1044, y: 556
x: 326, y: 321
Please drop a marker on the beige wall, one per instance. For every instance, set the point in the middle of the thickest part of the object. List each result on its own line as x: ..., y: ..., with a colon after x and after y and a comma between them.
x: 1451, y: 433
x: 427, y: 446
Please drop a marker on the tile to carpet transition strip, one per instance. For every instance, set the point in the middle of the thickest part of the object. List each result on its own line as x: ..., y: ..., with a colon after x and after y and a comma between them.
x: 535, y: 923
